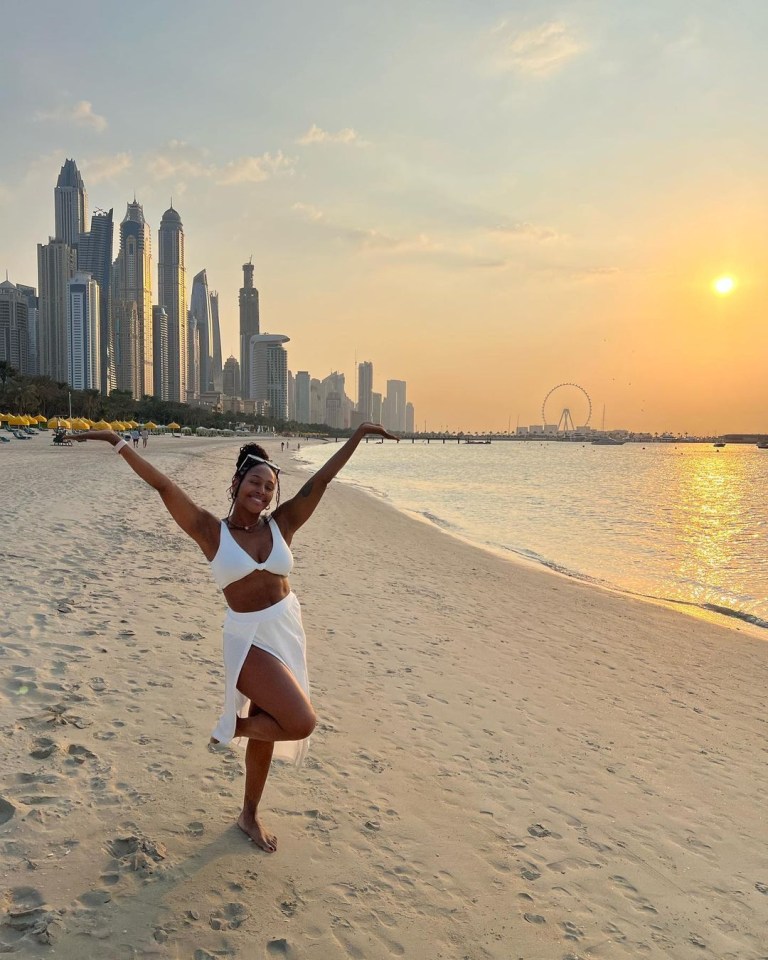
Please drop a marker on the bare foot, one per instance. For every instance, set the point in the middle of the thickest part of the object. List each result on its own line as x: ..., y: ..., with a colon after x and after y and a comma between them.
x: 252, y: 827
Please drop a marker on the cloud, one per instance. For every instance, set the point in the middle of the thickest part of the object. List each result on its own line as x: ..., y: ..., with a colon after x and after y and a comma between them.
x: 81, y: 115
x: 418, y: 246
x: 317, y: 135
x: 522, y: 229
x: 309, y: 212
x: 180, y: 160
x: 106, y: 167
x: 538, y: 52
x: 255, y: 169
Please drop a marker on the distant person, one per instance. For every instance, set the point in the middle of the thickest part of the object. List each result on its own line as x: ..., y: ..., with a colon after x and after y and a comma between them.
x: 144, y: 437
x: 266, y: 696
x: 282, y: 446
x: 135, y: 438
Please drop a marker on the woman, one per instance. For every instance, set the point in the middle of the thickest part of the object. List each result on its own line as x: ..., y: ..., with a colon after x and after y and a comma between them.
x: 264, y: 643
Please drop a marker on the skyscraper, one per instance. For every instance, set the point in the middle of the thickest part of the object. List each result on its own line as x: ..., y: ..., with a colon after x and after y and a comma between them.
x: 94, y: 256
x: 268, y: 364
x: 132, y: 281
x: 193, y: 358
x: 365, y: 389
x: 303, y: 382
x: 394, y: 405
x: 231, y: 378
x: 249, y: 325
x: 376, y: 408
x: 83, y: 334
x: 56, y: 264
x: 216, y: 367
x: 14, y: 337
x: 70, y: 204
x: 172, y: 294
x: 410, y: 417
x: 160, y: 351
x: 30, y: 295
x: 125, y: 320
x: 200, y: 310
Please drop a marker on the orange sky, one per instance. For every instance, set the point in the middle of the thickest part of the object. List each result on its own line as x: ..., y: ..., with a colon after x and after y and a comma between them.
x: 484, y: 203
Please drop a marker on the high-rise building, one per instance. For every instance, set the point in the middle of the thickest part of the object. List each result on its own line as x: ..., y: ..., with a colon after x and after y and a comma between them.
x: 410, y: 417
x: 160, y: 355
x: 303, y: 381
x: 291, y: 396
x: 249, y: 325
x: 394, y: 405
x: 193, y: 359
x: 231, y: 378
x: 268, y: 364
x: 56, y: 264
x: 216, y: 366
x: 70, y: 204
x: 334, y: 410
x: 132, y: 282
x: 316, y: 402
x: 376, y: 408
x: 172, y: 294
x: 30, y: 295
x: 365, y: 389
x: 125, y: 321
x: 83, y: 333
x: 94, y: 256
x: 200, y: 310
x: 14, y: 336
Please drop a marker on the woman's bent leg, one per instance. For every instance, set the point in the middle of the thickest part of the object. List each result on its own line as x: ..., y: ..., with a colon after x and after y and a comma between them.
x: 284, y: 712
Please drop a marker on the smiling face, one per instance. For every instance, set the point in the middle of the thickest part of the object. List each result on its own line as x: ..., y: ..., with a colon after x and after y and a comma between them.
x: 256, y: 489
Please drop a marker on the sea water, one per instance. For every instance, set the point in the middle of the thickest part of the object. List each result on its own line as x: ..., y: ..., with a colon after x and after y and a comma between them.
x: 681, y: 522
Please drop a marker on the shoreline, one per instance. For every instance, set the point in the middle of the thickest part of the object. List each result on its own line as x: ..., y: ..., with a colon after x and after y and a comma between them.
x: 487, y: 735
x: 726, y: 617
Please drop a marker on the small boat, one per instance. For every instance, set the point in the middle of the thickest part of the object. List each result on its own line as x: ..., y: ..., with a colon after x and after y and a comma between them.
x: 607, y: 442
x: 762, y: 445
x: 718, y: 444
x: 477, y: 441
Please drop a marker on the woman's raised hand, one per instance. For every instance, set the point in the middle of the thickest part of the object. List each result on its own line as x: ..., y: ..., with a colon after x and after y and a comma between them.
x: 366, y: 429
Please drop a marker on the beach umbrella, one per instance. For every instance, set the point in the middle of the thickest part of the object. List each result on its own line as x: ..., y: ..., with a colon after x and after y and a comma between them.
x: 4, y: 417
x: 150, y: 426
x: 40, y: 418
x: 174, y: 426
x: 102, y: 425
x: 55, y: 422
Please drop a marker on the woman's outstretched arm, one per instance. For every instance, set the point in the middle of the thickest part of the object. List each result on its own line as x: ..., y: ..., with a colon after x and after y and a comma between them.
x: 296, y: 511
x: 197, y: 523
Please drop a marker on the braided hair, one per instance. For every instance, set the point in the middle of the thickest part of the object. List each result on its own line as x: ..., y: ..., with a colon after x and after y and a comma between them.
x: 241, y: 468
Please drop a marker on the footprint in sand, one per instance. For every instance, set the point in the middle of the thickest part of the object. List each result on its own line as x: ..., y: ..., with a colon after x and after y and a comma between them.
x: 229, y: 917
x: 138, y: 853
x: 27, y: 914
x: 7, y: 810
x: 44, y: 748
x: 79, y: 753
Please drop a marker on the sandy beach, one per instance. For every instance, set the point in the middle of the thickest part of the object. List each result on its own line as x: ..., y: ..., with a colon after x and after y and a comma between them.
x: 507, y: 764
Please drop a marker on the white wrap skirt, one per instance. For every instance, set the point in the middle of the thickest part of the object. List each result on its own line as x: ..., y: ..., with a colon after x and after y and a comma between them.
x: 277, y: 630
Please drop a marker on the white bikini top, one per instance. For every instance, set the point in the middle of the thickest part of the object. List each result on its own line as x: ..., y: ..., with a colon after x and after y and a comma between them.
x: 232, y: 563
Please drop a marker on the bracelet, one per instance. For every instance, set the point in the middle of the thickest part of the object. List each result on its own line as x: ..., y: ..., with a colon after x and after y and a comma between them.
x: 120, y: 444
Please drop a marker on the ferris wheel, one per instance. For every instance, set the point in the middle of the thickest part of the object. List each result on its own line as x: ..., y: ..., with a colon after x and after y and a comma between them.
x: 569, y: 404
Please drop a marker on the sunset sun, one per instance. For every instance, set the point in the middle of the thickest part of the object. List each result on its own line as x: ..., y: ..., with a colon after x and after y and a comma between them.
x: 724, y: 285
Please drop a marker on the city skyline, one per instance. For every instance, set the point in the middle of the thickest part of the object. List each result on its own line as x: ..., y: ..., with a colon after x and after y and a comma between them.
x: 521, y: 191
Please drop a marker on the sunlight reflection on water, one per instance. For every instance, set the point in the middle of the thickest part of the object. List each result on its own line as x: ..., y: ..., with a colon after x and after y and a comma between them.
x: 685, y: 522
